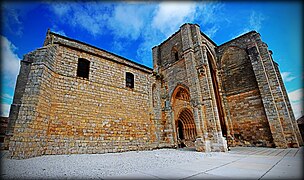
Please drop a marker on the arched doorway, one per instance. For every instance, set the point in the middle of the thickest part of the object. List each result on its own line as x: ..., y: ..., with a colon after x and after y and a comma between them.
x: 185, y: 129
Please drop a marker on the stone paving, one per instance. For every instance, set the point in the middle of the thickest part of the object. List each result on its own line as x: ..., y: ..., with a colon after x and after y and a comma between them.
x: 239, y: 163
x: 254, y: 163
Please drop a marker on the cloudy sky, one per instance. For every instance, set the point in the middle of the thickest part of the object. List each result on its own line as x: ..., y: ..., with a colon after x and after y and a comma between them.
x: 131, y: 29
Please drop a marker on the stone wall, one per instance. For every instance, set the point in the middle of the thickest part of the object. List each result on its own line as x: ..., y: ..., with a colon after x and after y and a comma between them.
x: 171, y: 69
x: 61, y: 113
x: 99, y: 114
x: 30, y: 128
x: 248, y: 118
x: 250, y: 126
x: 268, y: 84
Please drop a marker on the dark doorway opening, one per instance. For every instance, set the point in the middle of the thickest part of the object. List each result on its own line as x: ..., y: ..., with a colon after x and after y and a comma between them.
x: 180, y: 130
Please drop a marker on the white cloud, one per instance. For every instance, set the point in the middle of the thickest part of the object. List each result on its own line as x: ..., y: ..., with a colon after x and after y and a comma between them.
x: 12, y: 20
x: 255, y: 23
x: 144, y: 51
x: 61, y: 32
x: 170, y: 15
x: 118, y: 46
x: 10, y: 60
x: 61, y: 9
x: 6, y: 96
x: 287, y: 76
x: 129, y: 20
x: 55, y: 29
x: 297, y: 101
x: 212, y: 31
x: 89, y: 16
x: 209, y: 13
x: 147, y: 23
x: 296, y: 95
x: 5, y: 108
x: 9, y: 71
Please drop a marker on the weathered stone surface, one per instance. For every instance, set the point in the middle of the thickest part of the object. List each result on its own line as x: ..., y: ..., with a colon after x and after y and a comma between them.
x: 198, y: 94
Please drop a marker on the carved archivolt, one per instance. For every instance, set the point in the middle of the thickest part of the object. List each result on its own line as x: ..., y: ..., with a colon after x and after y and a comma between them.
x: 182, y: 94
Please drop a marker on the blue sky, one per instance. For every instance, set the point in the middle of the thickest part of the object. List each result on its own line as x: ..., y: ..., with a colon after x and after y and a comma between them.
x: 131, y: 29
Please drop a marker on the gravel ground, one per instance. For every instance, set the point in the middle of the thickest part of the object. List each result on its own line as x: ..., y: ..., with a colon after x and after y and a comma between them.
x: 95, y: 166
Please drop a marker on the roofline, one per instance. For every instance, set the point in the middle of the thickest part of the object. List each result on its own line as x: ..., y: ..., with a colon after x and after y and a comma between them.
x: 77, y: 41
x: 203, y: 34
x: 179, y: 31
x: 241, y: 36
x: 167, y: 39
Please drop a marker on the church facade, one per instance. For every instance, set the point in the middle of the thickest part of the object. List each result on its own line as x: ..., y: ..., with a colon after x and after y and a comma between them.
x: 72, y: 97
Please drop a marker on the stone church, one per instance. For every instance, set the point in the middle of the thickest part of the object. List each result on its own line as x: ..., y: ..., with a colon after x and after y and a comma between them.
x: 72, y: 97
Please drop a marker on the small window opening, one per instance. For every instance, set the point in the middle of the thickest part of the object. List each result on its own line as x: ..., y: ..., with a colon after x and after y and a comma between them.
x: 176, y: 56
x: 129, y: 80
x: 174, y: 53
x: 83, y: 68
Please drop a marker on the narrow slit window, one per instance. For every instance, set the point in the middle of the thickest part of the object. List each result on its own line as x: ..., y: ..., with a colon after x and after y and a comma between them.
x: 83, y: 68
x: 129, y: 80
x: 176, y: 56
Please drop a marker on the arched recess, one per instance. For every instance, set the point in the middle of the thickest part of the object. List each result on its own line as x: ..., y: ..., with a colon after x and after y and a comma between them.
x: 154, y: 96
x: 213, y: 69
x: 237, y: 71
x: 185, y: 129
x: 248, y: 120
x: 180, y: 95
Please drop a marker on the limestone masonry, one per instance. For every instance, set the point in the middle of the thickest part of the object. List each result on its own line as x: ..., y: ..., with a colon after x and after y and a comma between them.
x: 72, y: 97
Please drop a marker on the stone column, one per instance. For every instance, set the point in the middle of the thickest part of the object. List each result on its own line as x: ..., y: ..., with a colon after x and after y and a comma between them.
x: 157, y: 94
x: 192, y: 75
x: 156, y: 59
x: 197, y: 124
x: 198, y: 45
x: 193, y: 79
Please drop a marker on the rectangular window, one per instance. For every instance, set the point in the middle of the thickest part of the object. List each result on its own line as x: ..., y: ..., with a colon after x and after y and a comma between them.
x: 83, y: 68
x: 129, y: 80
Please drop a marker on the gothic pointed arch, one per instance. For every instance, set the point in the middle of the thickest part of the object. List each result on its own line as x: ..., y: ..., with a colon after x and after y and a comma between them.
x: 183, y: 116
x: 185, y: 128
x: 216, y: 89
x: 236, y: 67
x: 211, y: 59
x: 182, y: 92
x: 154, y: 96
x: 232, y: 55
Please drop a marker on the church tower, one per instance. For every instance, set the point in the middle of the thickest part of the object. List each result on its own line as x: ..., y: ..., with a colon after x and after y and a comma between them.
x: 187, y: 106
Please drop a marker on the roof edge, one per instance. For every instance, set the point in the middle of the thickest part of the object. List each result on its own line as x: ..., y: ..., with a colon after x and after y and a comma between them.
x: 208, y: 38
x: 238, y: 37
x: 86, y: 44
